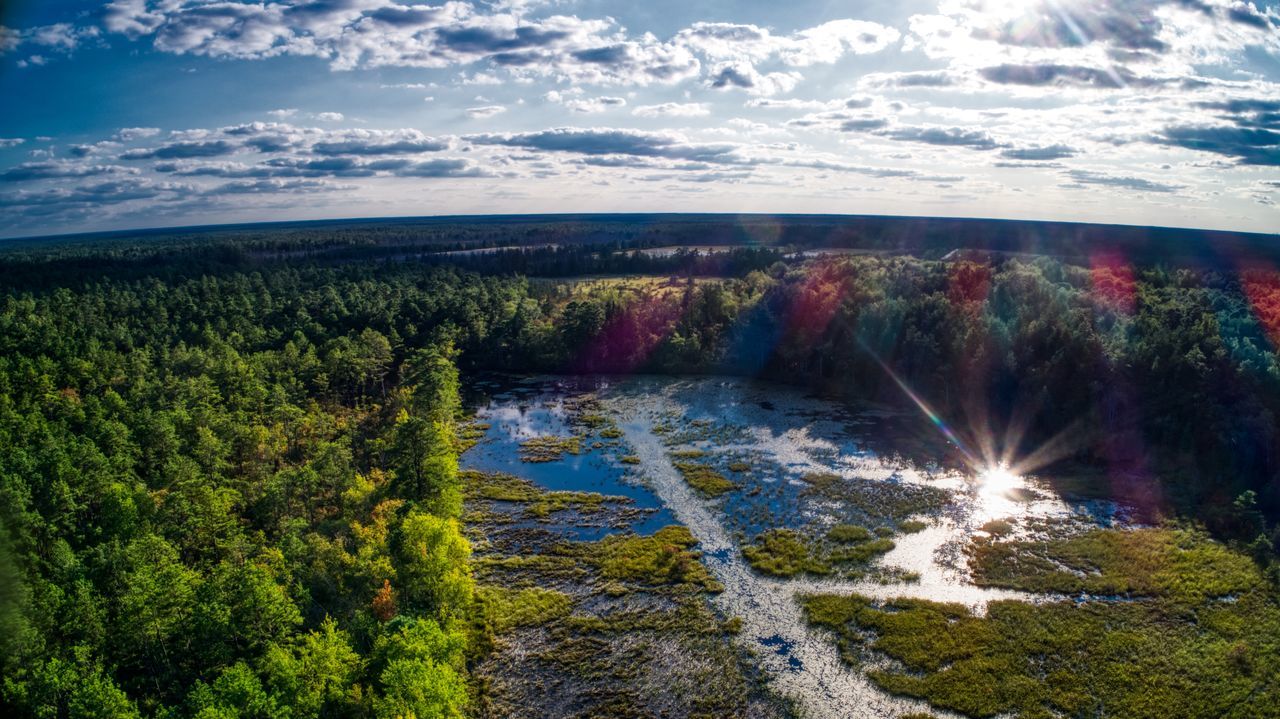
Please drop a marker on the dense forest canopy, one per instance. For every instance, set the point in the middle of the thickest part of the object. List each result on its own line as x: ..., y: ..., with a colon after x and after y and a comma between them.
x: 229, y: 475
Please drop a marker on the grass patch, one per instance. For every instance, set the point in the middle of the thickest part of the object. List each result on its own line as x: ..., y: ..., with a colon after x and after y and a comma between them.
x: 739, y: 467
x: 469, y: 434
x: 667, y: 557
x: 706, y: 480
x: 886, y: 501
x: 860, y: 553
x: 538, y: 502
x: 687, y: 454
x: 505, y: 609
x: 911, y: 526
x: 630, y: 459
x: 786, y: 552
x: 783, y: 553
x: 848, y: 533
x: 997, y: 528
x: 549, y: 449
x: 1179, y: 564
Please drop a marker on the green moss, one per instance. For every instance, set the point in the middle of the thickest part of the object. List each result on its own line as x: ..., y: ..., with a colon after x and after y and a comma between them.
x: 611, y: 433
x: 505, y: 609
x: 630, y: 459
x: 549, y: 449
x: 783, y: 553
x: 687, y: 454
x: 884, y: 532
x: 911, y: 526
x: 706, y: 480
x: 739, y: 467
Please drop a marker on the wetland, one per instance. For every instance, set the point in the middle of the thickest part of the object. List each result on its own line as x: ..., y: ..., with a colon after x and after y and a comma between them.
x: 723, y: 547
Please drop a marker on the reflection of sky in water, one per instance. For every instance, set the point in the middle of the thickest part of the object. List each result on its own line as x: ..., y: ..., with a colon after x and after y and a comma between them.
x: 517, y: 416
x: 784, y: 434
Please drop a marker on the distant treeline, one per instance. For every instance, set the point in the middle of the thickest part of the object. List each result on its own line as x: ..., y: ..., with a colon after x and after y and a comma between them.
x: 402, y: 238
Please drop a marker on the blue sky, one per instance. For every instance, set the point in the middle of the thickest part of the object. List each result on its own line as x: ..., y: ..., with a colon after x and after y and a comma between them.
x: 141, y: 113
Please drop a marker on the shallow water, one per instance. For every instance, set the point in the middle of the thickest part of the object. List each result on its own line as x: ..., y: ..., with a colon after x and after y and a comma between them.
x: 518, y: 412
x: 783, y: 435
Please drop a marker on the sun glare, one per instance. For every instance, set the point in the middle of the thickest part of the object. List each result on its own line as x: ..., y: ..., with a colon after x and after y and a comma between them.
x: 998, y: 479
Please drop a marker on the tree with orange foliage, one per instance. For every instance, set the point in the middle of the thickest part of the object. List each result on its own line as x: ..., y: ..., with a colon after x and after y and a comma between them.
x: 384, y: 602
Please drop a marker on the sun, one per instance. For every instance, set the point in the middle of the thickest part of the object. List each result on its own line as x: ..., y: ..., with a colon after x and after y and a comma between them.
x: 997, y: 479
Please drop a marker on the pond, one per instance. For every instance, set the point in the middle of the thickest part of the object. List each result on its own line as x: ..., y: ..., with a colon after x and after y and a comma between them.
x: 791, y: 461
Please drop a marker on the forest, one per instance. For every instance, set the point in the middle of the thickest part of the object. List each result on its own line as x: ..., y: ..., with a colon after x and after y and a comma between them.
x: 230, y: 481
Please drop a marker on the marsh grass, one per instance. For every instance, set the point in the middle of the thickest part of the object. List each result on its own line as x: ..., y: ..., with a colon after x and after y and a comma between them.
x: 1200, y: 637
x: 1171, y: 563
x: 537, y: 503
x: 619, y: 627
x: 665, y: 558
x: 1139, y: 659
x: 505, y: 609
x: 786, y: 552
x: 549, y: 448
x: 705, y: 479
x: 883, y: 501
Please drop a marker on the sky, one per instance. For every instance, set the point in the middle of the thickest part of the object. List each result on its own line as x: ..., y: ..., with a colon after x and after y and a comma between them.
x: 152, y: 113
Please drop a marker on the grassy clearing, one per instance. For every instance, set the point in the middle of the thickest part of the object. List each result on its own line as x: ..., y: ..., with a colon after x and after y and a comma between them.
x: 1179, y: 564
x: 706, y: 480
x: 549, y: 449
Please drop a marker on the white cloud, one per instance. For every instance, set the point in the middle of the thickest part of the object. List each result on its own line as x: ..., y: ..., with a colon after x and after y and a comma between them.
x: 744, y: 76
x: 330, y: 116
x: 484, y: 111
x: 674, y: 109
x: 129, y: 134
x: 595, y: 104
x: 828, y: 42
